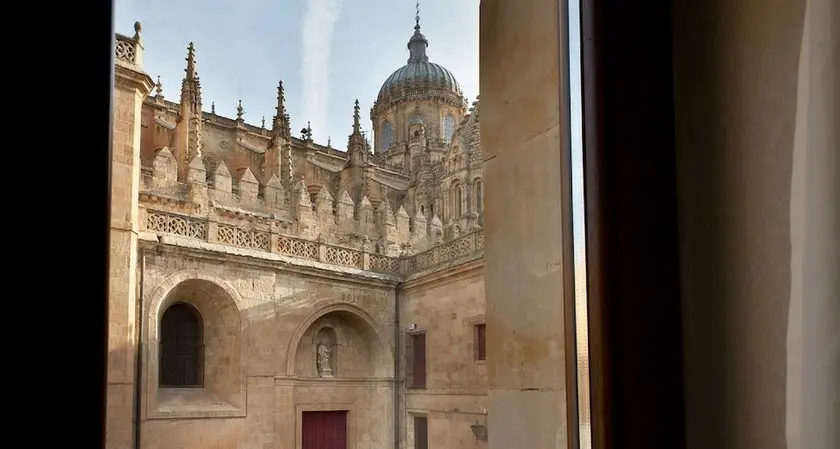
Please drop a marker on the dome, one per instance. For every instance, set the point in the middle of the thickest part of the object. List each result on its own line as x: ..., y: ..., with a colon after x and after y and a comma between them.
x: 419, y: 72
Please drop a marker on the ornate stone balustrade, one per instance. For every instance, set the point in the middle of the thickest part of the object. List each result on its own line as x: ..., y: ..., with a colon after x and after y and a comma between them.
x: 445, y: 253
x: 202, y: 229
x: 129, y: 49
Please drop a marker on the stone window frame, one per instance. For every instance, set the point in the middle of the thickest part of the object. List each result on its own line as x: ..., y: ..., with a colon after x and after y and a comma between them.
x: 478, y: 192
x: 448, y: 127
x: 456, y: 199
x: 409, y: 360
x: 387, y: 135
x: 479, y: 331
x: 414, y: 416
x: 474, y: 322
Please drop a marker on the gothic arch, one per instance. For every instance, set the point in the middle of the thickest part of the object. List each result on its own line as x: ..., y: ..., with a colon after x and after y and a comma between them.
x: 159, y: 298
x: 457, y: 199
x: 478, y: 194
x: 306, y: 325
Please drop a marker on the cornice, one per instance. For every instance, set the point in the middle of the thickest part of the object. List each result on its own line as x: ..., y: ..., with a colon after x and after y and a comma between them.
x: 128, y: 76
x: 334, y: 382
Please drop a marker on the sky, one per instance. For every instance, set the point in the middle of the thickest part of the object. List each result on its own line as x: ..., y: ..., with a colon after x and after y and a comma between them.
x: 327, y: 52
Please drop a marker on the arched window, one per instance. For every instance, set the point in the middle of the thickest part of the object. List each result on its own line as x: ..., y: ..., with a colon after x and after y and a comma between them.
x: 181, y: 347
x: 479, y: 200
x: 448, y: 128
x: 387, y: 136
x: 456, y: 200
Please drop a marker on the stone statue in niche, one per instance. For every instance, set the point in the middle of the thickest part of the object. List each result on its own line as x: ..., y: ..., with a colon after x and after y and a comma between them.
x: 322, y: 361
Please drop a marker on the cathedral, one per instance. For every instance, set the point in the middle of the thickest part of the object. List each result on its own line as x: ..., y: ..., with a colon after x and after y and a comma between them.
x: 271, y: 292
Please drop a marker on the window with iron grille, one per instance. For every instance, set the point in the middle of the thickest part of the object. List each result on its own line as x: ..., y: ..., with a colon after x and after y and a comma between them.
x: 181, y: 347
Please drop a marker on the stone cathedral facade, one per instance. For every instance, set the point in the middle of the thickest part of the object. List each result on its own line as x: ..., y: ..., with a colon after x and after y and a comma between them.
x: 268, y: 291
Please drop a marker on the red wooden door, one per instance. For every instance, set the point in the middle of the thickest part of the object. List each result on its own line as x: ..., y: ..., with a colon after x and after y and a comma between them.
x: 324, y: 430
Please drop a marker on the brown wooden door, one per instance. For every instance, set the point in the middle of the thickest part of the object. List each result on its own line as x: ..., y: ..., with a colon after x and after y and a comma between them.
x: 324, y: 430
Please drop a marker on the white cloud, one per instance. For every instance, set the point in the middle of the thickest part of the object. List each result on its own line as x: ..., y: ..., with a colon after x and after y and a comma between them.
x: 316, y: 45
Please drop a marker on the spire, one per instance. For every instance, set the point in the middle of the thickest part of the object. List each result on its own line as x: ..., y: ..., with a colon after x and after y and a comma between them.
x: 191, y: 74
x: 417, y: 16
x: 356, y: 141
x: 281, y: 101
x: 191, y: 85
x: 281, y: 124
x: 357, y: 126
x: 418, y: 43
x: 190, y: 121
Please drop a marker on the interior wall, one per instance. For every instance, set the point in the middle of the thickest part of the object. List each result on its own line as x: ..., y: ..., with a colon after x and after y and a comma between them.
x: 736, y: 66
x: 813, y: 366
x: 522, y: 129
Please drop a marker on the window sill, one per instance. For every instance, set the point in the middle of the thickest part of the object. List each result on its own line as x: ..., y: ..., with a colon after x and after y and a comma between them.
x: 191, y: 403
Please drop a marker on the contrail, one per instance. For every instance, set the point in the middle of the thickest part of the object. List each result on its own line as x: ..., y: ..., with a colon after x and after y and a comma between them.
x: 316, y: 45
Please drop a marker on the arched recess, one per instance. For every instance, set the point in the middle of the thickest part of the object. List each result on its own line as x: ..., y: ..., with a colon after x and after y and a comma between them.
x: 457, y: 199
x: 358, y: 346
x: 158, y: 298
x: 479, y: 195
x: 217, y: 305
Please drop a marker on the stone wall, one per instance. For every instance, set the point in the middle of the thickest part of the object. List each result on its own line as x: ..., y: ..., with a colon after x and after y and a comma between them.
x: 131, y: 85
x: 260, y: 323
x: 446, y: 306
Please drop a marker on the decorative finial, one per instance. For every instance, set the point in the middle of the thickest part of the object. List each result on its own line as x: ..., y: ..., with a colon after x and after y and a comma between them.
x: 417, y: 16
x: 307, y: 132
x: 213, y: 107
x: 418, y: 43
x: 158, y: 86
x: 138, y: 28
x: 329, y: 142
x: 263, y: 122
x: 239, y: 110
